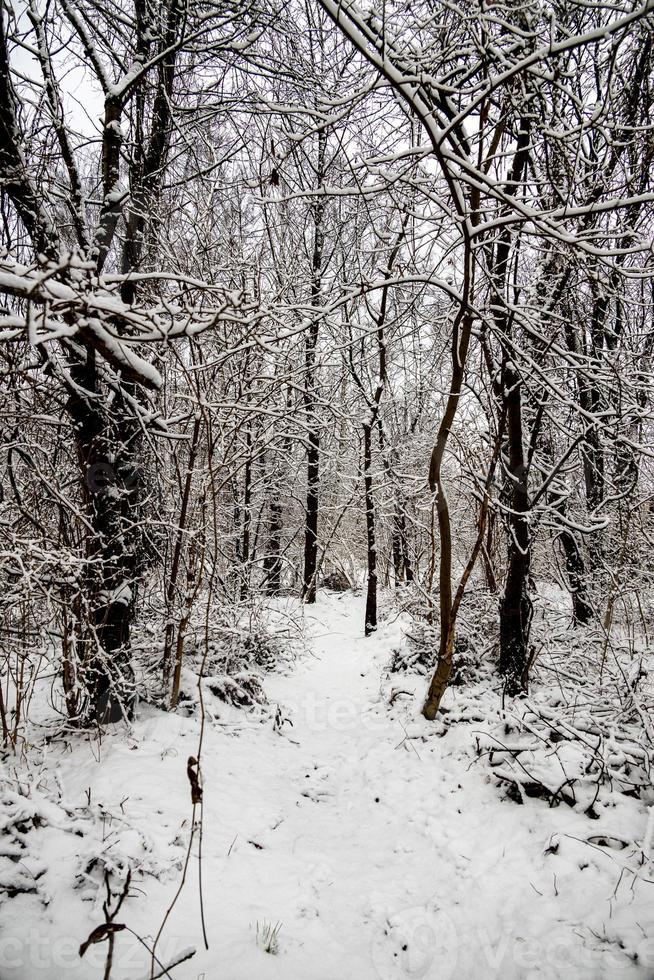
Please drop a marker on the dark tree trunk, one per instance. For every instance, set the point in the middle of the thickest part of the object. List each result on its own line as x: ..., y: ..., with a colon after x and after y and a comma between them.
x: 105, y: 452
x: 371, y: 592
x: 516, y: 606
x: 574, y: 564
x: 311, y: 524
x: 309, y: 583
x: 247, y: 518
x: 272, y: 563
x: 574, y: 560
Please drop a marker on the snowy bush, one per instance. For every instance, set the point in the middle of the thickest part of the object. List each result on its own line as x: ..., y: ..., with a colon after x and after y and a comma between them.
x: 473, y: 648
x: 242, y: 646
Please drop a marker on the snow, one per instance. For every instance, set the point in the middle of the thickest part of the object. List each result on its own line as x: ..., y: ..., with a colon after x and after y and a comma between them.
x: 98, y: 312
x: 383, y: 847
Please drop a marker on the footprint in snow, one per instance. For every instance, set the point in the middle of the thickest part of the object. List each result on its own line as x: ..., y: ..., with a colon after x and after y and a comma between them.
x: 418, y: 942
x: 315, y: 785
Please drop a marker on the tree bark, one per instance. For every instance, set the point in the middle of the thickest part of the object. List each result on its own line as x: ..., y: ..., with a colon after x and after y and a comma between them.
x: 370, y: 624
x: 272, y: 563
x: 109, y: 487
x: 582, y: 611
x: 441, y: 677
x: 246, y: 512
x: 310, y: 572
x: 516, y: 606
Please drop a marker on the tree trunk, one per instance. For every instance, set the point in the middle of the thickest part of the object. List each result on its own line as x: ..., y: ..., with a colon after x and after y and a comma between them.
x: 309, y: 583
x: 574, y: 564
x: 439, y: 681
x: 247, y: 518
x: 515, y: 606
x: 272, y: 563
x: 311, y: 524
x: 371, y: 592
x: 110, y: 485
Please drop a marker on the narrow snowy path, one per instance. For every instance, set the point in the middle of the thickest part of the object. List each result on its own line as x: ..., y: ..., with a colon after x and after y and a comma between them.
x: 383, y: 850
x: 380, y: 848
x: 343, y: 818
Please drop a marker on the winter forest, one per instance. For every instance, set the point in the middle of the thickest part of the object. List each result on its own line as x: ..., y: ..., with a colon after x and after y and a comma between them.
x: 326, y: 489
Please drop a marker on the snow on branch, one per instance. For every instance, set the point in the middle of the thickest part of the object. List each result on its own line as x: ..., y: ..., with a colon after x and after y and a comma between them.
x: 73, y: 302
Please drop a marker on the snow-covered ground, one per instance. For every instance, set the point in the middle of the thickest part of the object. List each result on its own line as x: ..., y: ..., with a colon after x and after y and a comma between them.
x: 382, y: 848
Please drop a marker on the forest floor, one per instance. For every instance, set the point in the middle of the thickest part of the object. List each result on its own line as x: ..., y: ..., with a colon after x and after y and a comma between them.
x: 378, y: 846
